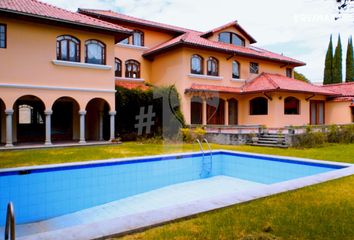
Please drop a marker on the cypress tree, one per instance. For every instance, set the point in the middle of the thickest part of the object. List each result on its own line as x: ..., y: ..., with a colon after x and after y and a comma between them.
x: 328, y: 71
x: 349, y: 77
x: 337, y: 63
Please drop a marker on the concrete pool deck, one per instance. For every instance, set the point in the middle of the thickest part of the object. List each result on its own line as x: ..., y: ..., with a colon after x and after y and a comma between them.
x: 166, y: 204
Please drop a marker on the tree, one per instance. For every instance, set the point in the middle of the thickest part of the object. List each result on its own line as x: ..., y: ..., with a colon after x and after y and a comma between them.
x: 337, y: 63
x: 328, y: 71
x: 300, y: 76
x: 349, y: 77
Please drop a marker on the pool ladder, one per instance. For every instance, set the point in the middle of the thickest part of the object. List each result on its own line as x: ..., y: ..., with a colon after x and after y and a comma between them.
x: 207, y: 164
x: 10, y: 223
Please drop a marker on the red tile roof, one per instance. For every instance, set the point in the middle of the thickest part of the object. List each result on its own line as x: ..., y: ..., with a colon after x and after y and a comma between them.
x: 133, y: 20
x: 346, y: 89
x: 34, y: 8
x: 342, y: 99
x: 266, y: 82
x: 195, y: 40
x: 132, y: 85
x: 231, y: 24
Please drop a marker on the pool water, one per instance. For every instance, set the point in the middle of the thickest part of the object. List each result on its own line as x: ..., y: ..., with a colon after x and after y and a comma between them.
x: 44, y: 193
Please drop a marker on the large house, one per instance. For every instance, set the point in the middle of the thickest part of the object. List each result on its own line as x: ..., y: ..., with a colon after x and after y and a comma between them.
x: 59, y: 69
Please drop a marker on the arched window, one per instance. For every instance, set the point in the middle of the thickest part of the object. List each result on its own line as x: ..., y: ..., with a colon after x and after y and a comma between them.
x: 231, y: 38
x: 212, y: 66
x: 95, y: 52
x: 138, y: 38
x: 117, y: 67
x: 259, y: 106
x: 196, y: 64
x: 196, y: 110
x: 68, y: 48
x: 235, y: 70
x: 291, y: 106
x: 132, y: 69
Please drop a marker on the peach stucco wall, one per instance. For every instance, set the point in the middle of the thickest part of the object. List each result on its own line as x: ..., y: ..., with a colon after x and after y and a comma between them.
x: 27, y: 60
x: 338, y: 113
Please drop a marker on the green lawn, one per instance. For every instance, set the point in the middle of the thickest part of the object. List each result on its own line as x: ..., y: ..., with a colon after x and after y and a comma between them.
x: 324, y: 211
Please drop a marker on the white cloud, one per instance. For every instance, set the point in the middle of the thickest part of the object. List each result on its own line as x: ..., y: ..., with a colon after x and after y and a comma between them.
x: 303, y: 25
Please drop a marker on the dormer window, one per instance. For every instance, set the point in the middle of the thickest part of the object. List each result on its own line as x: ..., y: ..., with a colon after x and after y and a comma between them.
x: 196, y: 64
x: 289, y: 72
x: 231, y: 38
x: 138, y: 38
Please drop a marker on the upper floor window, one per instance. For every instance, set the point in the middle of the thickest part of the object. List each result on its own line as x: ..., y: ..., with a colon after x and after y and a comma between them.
x: 117, y: 67
x: 235, y: 70
x: 259, y: 106
x: 291, y: 106
x: 138, y: 38
x: 132, y: 69
x: 254, y: 68
x: 289, y: 72
x: 68, y: 48
x: 95, y: 52
x: 231, y: 38
x: 196, y: 64
x: 2, y: 36
x: 212, y: 66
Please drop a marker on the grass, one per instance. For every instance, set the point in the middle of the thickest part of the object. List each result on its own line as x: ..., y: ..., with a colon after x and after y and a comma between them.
x: 323, y: 211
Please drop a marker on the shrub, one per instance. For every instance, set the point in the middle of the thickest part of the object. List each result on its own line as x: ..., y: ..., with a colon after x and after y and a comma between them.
x: 199, y: 133
x: 343, y: 134
x: 189, y: 135
x: 310, y: 139
x: 186, y: 134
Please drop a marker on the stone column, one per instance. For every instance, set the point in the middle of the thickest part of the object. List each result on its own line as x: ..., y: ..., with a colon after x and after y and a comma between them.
x: 204, y: 112
x: 48, y: 127
x: 112, y: 115
x: 100, y: 133
x: 226, y: 112
x: 9, y: 114
x: 82, y: 127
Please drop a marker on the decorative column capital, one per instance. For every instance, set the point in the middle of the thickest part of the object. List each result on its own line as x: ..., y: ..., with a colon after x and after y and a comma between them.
x: 83, y: 112
x: 9, y: 111
x: 48, y: 112
x: 112, y: 113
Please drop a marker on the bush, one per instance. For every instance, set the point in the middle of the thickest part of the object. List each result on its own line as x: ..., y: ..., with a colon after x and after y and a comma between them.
x: 199, y: 133
x: 343, y: 134
x: 166, y: 106
x: 190, y: 135
x: 186, y: 134
x: 310, y: 139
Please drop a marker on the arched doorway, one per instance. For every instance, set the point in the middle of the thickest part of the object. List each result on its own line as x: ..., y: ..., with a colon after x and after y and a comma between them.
x: 2, y: 122
x: 30, y: 119
x: 215, y: 111
x: 196, y: 110
x: 97, y: 120
x: 65, y: 120
x: 233, y: 111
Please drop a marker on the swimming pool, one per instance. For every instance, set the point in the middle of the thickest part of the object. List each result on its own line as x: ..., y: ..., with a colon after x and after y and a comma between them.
x: 41, y: 193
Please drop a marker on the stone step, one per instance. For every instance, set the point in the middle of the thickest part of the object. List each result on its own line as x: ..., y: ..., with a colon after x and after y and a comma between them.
x: 267, y: 141
x: 270, y: 139
x: 271, y: 136
x: 269, y: 145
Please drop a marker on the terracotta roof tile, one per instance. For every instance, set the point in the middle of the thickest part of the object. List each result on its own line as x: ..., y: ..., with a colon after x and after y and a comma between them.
x: 132, y: 85
x: 43, y: 10
x: 193, y: 39
x: 123, y: 17
x: 346, y: 89
x: 272, y: 82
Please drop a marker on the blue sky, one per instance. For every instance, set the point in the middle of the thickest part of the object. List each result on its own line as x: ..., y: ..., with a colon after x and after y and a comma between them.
x: 298, y: 29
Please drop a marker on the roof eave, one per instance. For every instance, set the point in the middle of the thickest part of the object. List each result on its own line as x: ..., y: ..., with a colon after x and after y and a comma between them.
x: 108, y: 31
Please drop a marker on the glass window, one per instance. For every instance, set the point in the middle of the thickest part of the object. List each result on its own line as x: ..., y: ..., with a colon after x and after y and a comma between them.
x: 117, y: 67
x: 259, y: 106
x: 289, y: 72
x: 132, y: 69
x: 2, y: 36
x: 235, y: 70
x: 231, y: 38
x: 213, y: 67
x: 138, y: 38
x: 254, y: 67
x: 95, y: 52
x: 291, y: 106
x: 68, y: 48
x: 196, y: 64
